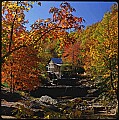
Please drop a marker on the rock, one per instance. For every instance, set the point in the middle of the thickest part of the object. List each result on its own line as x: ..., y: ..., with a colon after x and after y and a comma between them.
x: 54, y: 108
x: 11, y: 97
x: 35, y: 104
x: 5, y: 110
x: 8, y: 117
x: 48, y: 100
x: 45, y: 102
x: 38, y: 113
x: 76, y: 100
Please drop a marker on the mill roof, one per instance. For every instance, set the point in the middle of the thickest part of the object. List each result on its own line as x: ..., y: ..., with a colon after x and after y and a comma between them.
x: 57, y: 60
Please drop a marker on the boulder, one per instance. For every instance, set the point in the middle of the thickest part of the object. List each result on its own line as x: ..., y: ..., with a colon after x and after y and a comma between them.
x: 48, y: 100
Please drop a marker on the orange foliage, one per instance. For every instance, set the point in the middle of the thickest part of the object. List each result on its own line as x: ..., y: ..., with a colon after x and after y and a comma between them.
x: 20, y: 70
x: 71, y: 53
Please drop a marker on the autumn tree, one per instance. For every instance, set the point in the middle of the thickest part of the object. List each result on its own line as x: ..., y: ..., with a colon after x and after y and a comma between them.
x: 107, y: 34
x: 56, y: 28
x: 100, y: 54
x: 13, y: 21
x: 14, y: 38
x: 71, y: 51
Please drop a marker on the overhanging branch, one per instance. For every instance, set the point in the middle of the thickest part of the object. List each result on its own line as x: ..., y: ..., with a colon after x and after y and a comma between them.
x: 10, y: 52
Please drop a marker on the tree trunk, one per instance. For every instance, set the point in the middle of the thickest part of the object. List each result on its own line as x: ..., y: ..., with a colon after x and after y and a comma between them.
x: 111, y: 78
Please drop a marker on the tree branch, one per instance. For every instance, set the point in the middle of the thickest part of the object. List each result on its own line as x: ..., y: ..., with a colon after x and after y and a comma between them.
x: 50, y: 30
x: 10, y: 52
x: 12, y: 27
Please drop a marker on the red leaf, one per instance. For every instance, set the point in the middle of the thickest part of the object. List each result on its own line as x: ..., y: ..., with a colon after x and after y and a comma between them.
x: 80, y: 19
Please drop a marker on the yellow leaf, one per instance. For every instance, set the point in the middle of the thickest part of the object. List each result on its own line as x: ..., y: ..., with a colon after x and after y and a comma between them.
x: 28, y: 8
x: 10, y: 6
x: 47, y: 117
x: 9, y: 27
x: 19, y: 19
x: 32, y: 2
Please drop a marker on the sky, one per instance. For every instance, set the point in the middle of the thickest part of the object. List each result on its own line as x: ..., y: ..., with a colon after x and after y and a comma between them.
x: 92, y: 11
